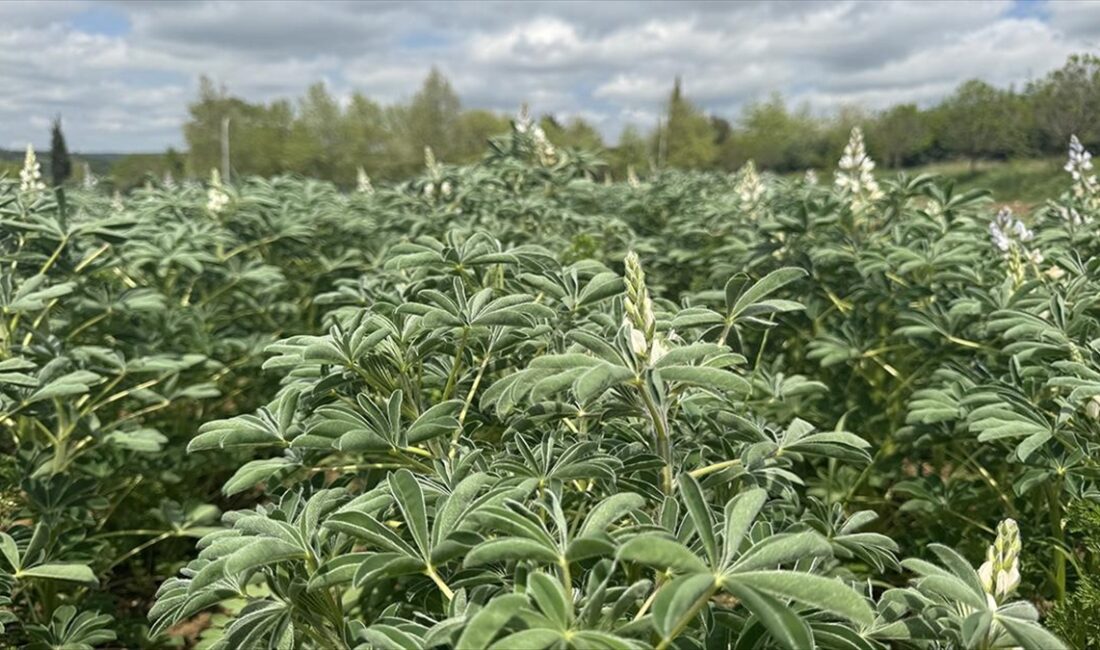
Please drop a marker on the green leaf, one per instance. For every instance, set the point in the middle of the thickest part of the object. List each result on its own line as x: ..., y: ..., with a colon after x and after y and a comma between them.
x: 487, y: 623
x: 534, y: 639
x: 767, y: 285
x: 1031, y: 636
x: 782, y: 623
x: 826, y: 594
x: 547, y: 594
x: 610, y: 510
x: 262, y: 552
x: 677, y: 599
x: 510, y: 549
x: 10, y: 551
x: 741, y: 511
x: 388, y: 637
x: 656, y: 550
x: 699, y: 510
x: 410, y: 500
x: 708, y: 378
x: 253, y: 472
x: 69, y: 572
x: 598, y: 379
x: 784, y: 548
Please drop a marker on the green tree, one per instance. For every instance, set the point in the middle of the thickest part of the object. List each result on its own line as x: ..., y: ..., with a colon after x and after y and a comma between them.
x: 576, y: 133
x: 980, y: 121
x: 774, y: 138
x: 632, y: 151
x: 433, y: 116
x: 688, y: 139
x: 368, y: 136
x: 320, y: 147
x: 475, y: 127
x: 61, y: 165
x: 202, y: 131
x: 1065, y: 103
x: 900, y: 135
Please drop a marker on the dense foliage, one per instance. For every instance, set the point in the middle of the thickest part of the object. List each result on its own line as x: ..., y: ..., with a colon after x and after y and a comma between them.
x: 506, y: 406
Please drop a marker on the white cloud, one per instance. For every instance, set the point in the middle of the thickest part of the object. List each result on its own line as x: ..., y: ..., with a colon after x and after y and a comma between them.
x: 612, y: 62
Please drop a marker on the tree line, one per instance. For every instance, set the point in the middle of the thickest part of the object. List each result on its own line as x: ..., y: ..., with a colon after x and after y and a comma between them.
x: 320, y: 136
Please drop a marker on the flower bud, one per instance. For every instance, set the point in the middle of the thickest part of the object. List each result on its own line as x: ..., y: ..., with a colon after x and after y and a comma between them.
x: 1000, y: 573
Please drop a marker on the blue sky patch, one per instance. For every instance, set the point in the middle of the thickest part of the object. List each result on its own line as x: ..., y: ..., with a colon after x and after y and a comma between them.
x: 1029, y: 9
x: 102, y: 20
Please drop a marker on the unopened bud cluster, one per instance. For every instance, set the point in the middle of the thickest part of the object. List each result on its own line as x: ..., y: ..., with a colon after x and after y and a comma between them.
x: 1000, y: 573
x: 640, y: 319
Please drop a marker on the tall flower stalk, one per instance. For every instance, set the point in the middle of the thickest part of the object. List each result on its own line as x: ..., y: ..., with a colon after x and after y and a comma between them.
x: 1012, y: 238
x: 216, y: 197
x: 1086, y: 188
x: 750, y: 188
x: 855, y: 175
x: 362, y: 182
x: 641, y: 324
x: 30, y: 177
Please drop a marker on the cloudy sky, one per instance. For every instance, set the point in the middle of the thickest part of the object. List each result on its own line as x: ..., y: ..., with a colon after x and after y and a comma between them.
x: 122, y: 74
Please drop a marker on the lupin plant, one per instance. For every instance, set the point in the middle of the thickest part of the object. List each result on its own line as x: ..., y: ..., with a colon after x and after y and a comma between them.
x: 502, y: 406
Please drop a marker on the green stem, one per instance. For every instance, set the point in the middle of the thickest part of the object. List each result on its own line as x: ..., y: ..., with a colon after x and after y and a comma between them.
x: 470, y: 398
x: 452, y: 378
x: 430, y: 572
x: 661, y: 440
x: 1057, y: 556
x: 715, y: 467
x: 688, y: 617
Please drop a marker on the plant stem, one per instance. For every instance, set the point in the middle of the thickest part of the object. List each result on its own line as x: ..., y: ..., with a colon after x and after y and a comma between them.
x: 452, y: 378
x: 1057, y: 556
x: 662, y: 443
x: 688, y: 617
x: 715, y: 467
x: 430, y: 572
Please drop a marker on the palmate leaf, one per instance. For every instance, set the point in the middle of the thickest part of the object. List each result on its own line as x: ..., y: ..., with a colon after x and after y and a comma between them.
x: 1001, y: 420
x: 750, y: 573
x: 32, y: 295
x: 374, y: 427
x: 74, y: 630
x: 256, y: 471
x: 272, y: 425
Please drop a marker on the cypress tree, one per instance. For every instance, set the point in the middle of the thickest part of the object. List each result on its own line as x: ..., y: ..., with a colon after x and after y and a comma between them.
x: 61, y: 165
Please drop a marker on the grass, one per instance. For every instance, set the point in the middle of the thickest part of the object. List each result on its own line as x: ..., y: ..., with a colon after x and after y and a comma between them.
x: 1027, y: 182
